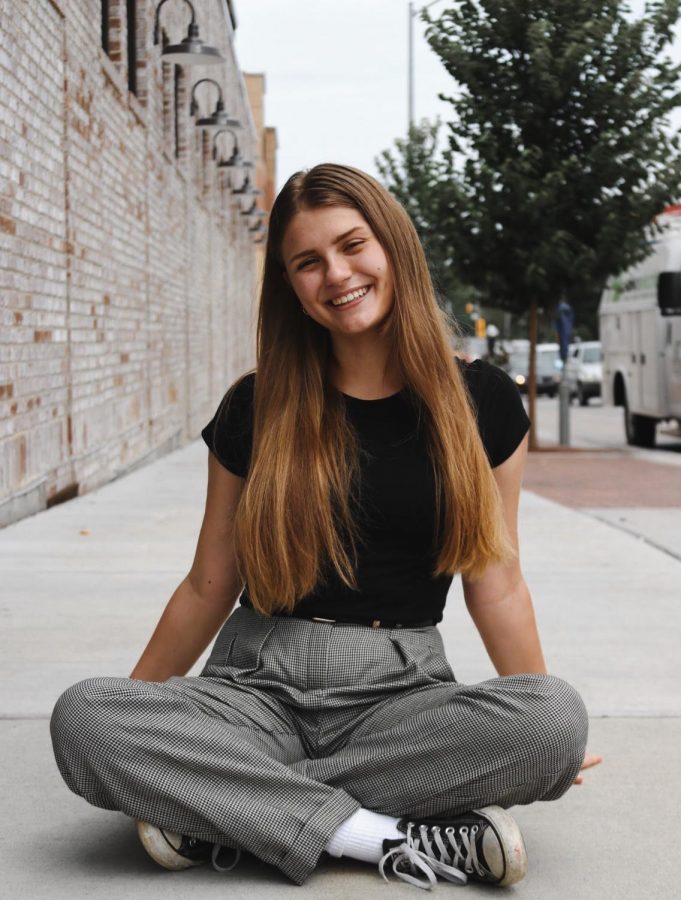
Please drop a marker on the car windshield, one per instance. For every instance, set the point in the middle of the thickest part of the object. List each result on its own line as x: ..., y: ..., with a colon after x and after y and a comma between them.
x: 592, y: 355
x: 518, y: 361
x: 548, y: 361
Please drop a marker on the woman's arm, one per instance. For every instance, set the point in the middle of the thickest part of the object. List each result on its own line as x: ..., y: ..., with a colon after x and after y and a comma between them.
x: 207, y: 595
x: 499, y: 602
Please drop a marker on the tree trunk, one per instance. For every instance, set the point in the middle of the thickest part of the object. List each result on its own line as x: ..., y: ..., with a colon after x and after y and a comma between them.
x: 532, y: 375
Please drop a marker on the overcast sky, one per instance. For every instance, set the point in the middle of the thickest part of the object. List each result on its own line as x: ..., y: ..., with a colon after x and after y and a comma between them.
x: 336, y: 76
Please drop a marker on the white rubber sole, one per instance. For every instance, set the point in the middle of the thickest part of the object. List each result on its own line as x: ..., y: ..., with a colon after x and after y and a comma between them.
x: 511, y: 857
x: 162, y: 849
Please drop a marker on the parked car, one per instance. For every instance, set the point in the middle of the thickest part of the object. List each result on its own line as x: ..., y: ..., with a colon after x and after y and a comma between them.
x: 584, y: 370
x: 549, y: 366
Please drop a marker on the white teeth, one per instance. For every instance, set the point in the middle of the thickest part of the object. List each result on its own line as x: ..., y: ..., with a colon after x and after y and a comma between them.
x: 348, y: 298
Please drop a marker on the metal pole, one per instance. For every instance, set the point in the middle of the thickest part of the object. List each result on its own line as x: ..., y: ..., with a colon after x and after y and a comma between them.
x: 564, y: 410
x: 410, y: 66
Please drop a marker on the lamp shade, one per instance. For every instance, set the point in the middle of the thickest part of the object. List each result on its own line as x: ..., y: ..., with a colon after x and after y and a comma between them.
x: 192, y: 51
x: 218, y: 119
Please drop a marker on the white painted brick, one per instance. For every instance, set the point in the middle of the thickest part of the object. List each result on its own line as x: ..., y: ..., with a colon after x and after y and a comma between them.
x: 111, y: 248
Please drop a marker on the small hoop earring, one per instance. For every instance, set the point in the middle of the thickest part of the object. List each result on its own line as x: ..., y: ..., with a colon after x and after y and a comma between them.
x: 305, y: 312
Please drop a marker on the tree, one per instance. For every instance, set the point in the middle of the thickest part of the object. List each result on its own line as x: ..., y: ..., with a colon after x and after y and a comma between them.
x: 415, y: 173
x: 560, y: 143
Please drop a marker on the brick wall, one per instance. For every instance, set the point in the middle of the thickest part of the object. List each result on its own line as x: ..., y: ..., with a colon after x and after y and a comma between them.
x: 127, y: 276
x: 263, y: 174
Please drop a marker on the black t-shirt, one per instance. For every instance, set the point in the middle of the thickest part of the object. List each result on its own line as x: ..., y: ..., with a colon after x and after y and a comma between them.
x: 397, y: 519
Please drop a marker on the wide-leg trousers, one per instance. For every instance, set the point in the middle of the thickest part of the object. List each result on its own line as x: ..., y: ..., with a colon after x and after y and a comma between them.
x: 293, y: 725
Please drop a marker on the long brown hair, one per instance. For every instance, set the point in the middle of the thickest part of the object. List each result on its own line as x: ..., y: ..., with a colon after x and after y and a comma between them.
x: 295, y: 513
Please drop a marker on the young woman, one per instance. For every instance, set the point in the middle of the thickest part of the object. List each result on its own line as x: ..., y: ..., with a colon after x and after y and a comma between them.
x: 349, y: 479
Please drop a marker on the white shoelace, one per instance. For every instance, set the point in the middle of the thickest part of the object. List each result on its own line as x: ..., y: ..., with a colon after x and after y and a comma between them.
x: 446, y: 860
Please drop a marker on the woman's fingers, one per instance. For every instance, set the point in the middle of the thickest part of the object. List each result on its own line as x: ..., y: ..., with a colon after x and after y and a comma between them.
x: 590, y: 759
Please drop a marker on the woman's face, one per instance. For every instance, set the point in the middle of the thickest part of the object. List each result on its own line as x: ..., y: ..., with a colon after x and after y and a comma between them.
x: 338, y: 270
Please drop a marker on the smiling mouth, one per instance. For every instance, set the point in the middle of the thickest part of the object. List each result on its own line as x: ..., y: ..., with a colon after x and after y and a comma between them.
x: 352, y: 298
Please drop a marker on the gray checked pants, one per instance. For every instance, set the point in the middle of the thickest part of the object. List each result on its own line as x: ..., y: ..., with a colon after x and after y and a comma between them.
x: 293, y: 725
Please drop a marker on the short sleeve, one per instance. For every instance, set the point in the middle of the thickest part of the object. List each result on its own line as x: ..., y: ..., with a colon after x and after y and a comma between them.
x: 229, y: 434
x: 501, y: 416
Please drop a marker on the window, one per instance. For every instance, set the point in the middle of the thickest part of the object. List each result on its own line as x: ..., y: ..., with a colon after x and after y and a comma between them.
x: 104, y: 8
x: 592, y: 355
x: 177, y: 99
x: 132, y: 46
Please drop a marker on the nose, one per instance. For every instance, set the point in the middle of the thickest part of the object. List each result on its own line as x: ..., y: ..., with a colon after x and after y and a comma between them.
x: 337, y: 269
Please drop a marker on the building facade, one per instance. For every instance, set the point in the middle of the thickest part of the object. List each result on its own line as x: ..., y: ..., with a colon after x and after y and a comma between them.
x: 128, y: 275
x: 264, y: 170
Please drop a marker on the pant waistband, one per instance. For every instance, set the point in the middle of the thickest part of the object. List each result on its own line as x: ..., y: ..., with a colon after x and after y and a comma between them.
x: 356, y: 620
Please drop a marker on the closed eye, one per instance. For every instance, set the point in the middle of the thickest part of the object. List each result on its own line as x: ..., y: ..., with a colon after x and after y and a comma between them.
x: 304, y: 263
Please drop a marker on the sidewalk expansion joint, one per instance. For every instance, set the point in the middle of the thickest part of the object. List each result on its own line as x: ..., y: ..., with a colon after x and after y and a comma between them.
x: 632, y: 532
x: 29, y: 717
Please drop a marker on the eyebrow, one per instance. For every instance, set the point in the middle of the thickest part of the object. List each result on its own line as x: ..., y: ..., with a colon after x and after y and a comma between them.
x: 336, y: 240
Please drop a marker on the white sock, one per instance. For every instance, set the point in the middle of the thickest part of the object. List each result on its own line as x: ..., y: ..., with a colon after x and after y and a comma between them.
x: 362, y: 835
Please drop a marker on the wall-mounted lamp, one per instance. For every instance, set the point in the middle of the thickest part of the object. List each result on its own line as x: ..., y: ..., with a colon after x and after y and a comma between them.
x: 191, y: 51
x: 247, y: 188
x: 216, y: 134
x: 218, y: 118
x: 235, y: 160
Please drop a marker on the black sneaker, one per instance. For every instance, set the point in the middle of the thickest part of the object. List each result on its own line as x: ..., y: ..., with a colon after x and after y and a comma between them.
x: 177, y: 851
x: 483, y: 845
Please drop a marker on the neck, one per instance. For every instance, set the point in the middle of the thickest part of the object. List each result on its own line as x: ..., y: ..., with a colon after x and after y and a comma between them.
x: 364, y: 370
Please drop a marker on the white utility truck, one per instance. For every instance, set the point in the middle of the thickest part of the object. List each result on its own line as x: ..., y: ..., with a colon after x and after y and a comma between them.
x: 640, y: 330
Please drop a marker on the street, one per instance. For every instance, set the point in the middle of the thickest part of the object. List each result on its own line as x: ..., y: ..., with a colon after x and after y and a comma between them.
x: 596, y: 425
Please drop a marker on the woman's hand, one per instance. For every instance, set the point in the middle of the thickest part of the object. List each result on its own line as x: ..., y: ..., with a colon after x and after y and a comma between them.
x: 591, y: 759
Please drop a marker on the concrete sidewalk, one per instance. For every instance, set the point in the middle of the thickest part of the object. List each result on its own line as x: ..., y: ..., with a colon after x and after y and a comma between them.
x: 83, y: 585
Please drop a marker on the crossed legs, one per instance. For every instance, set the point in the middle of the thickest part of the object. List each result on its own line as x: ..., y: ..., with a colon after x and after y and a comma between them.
x: 226, y: 763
